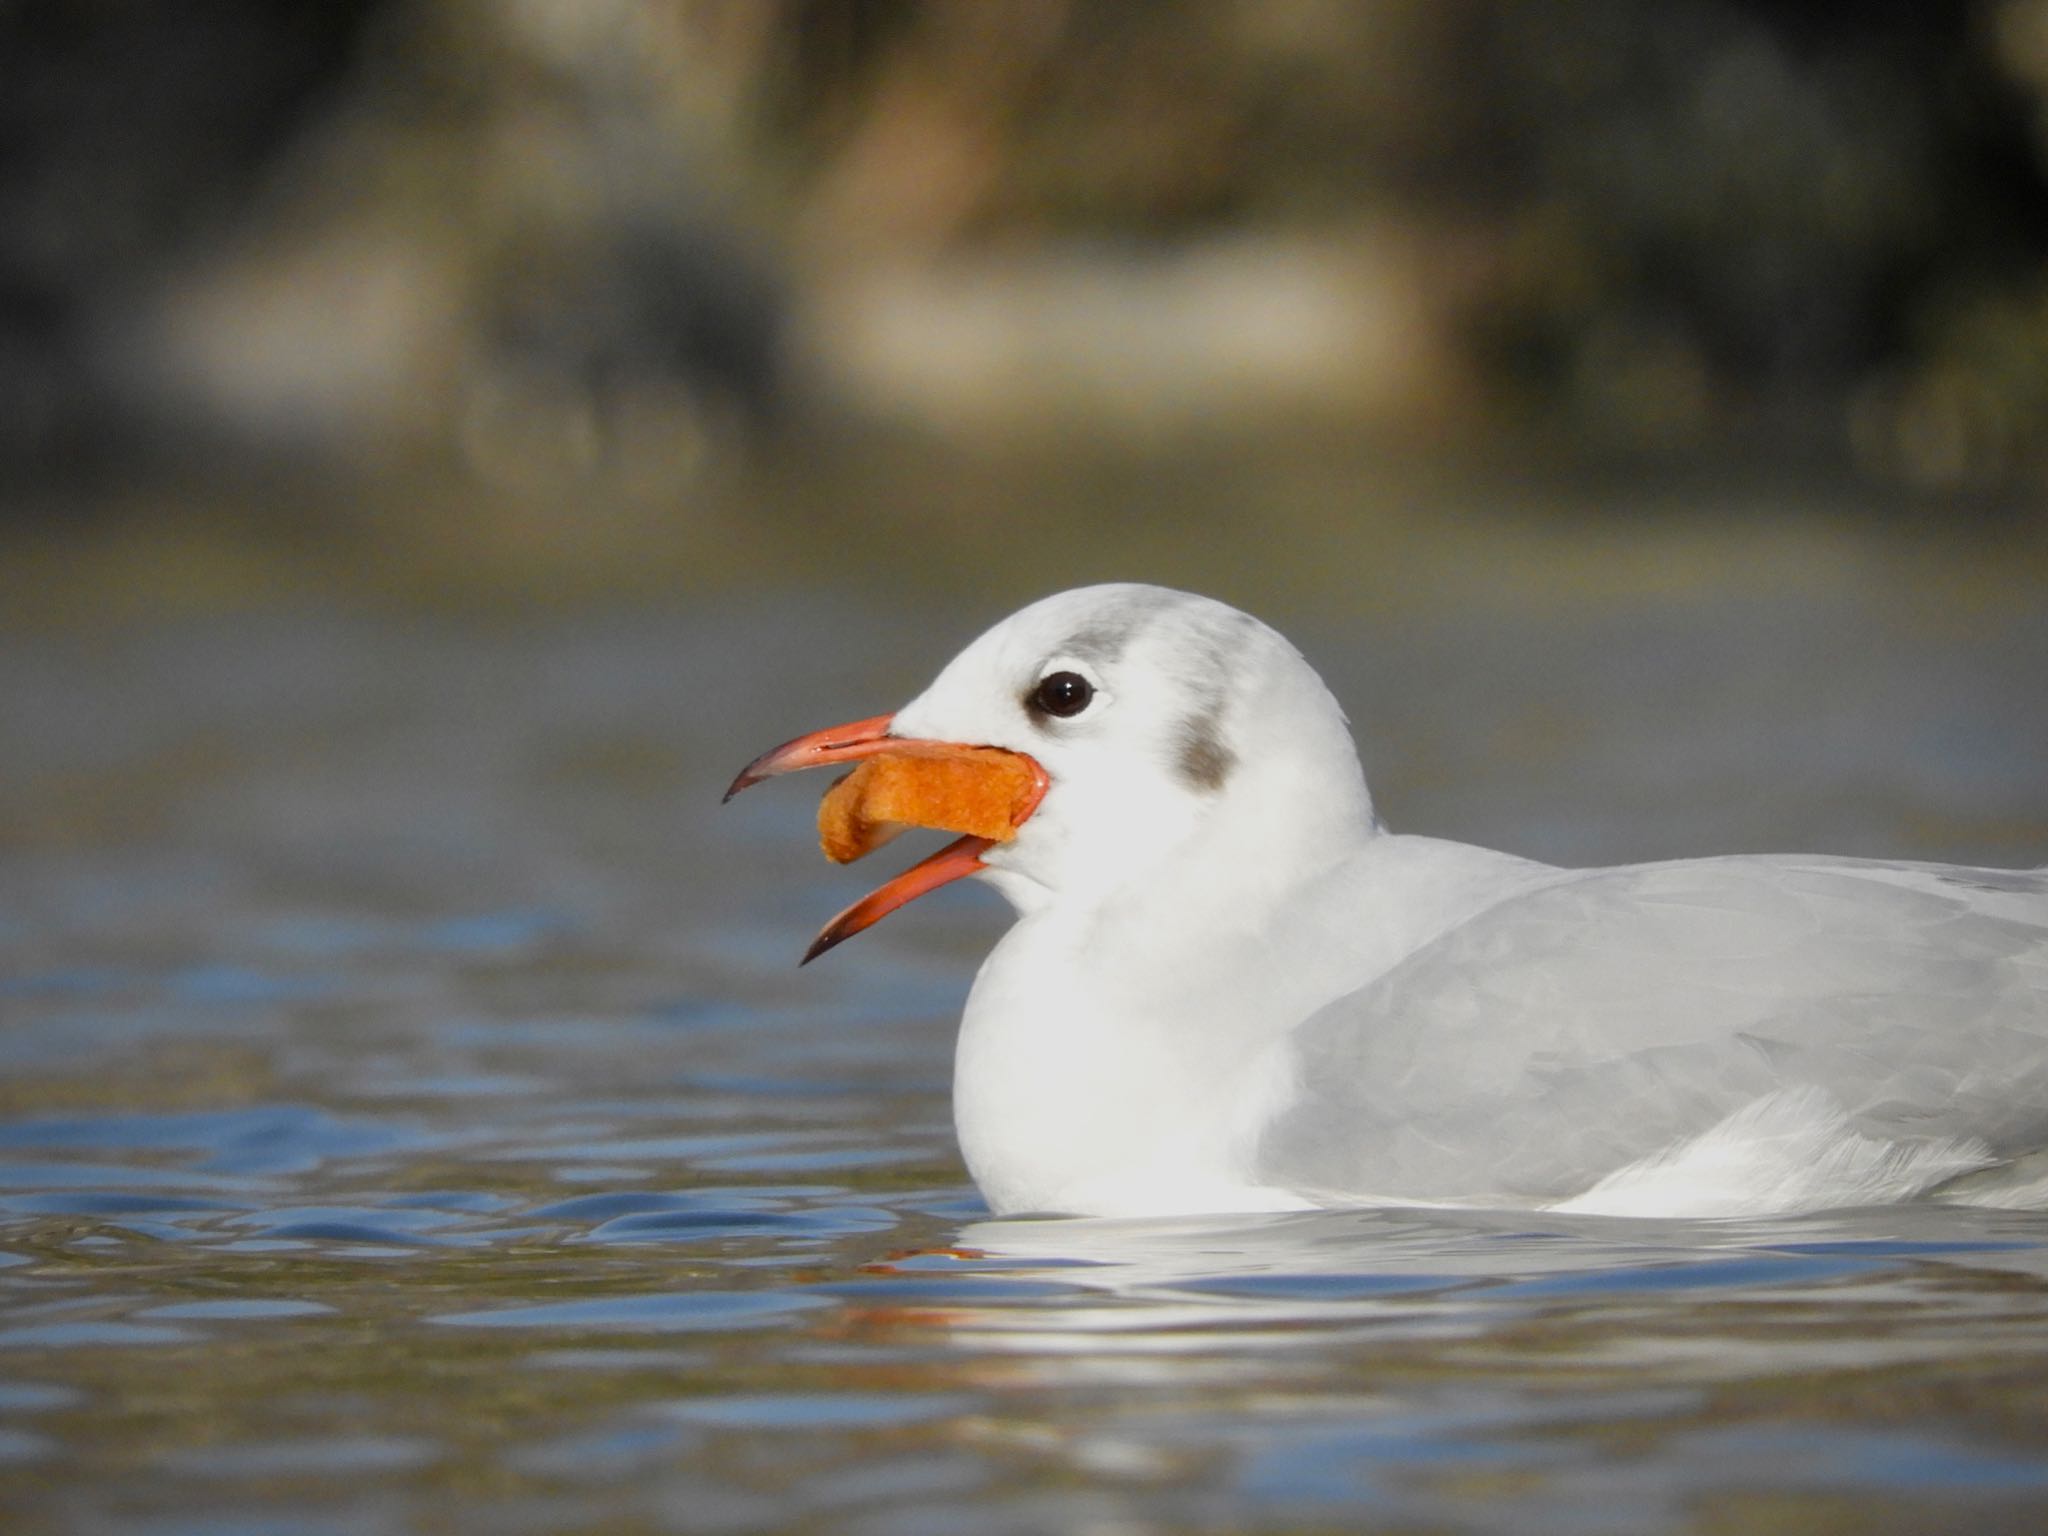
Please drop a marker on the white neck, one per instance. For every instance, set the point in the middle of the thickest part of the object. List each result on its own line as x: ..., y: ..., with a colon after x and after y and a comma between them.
x: 1087, y: 1067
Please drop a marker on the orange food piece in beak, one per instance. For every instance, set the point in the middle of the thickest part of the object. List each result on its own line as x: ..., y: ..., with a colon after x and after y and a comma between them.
x: 982, y: 791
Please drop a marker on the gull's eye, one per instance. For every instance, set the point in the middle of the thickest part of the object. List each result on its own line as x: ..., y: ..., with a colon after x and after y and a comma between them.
x: 1064, y: 694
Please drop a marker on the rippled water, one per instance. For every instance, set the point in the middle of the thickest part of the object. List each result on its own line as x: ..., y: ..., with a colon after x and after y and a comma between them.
x: 411, y: 1118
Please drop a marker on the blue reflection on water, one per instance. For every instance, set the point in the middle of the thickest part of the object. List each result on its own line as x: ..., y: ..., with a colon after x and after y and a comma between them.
x: 262, y: 1139
x: 1760, y: 1272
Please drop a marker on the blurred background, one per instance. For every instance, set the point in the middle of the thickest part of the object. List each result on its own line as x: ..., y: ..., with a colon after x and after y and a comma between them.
x: 442, y: 440
x: 1309, y: 302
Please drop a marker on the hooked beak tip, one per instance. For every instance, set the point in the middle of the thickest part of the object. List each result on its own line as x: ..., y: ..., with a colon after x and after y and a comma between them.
x: 841, y: 744
x: 824, y: 941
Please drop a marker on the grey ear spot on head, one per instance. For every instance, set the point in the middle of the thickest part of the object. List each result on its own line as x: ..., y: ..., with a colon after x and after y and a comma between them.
x: 1204, y: 761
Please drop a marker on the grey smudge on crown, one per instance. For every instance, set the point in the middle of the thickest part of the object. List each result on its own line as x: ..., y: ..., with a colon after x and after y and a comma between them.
x: 1103, y: 643
x: 2022, y: 882
x: 1100, y: 645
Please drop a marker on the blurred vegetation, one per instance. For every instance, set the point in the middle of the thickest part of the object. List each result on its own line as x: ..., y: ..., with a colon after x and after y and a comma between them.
x: 574, y: 293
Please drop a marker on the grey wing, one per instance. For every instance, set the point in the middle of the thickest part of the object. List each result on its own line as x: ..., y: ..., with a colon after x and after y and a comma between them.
x: 1577, y: 1028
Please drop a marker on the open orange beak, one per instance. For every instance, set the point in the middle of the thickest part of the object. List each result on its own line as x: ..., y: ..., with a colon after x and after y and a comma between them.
x: 986, y: 793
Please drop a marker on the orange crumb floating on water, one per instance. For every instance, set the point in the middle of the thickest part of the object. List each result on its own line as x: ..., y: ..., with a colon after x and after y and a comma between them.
x: 977, y: 790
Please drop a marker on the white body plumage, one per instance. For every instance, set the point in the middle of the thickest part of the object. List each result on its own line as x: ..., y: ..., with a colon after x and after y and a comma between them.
x: 1230, y: 989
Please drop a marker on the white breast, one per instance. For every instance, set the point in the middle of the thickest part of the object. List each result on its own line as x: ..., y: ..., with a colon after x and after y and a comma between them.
x: 1069, y: 1096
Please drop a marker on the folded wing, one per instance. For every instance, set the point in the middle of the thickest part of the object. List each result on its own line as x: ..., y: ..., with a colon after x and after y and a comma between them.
x: 1760, y: 1033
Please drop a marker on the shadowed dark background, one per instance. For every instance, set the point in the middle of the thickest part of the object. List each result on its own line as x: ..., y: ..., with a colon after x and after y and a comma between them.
x: 640, y: 297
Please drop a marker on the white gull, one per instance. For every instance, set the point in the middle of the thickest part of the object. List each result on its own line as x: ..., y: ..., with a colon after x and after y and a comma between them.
x: 1229, y: 988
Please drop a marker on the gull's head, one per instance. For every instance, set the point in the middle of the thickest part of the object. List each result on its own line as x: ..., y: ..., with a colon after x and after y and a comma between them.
x: 1139, y: 726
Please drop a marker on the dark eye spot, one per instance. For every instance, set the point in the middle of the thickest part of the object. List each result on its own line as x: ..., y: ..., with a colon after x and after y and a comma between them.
x: 1064, y: 694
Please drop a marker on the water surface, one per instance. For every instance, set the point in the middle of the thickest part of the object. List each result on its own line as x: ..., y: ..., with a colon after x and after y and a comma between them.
x: 411, y: 1117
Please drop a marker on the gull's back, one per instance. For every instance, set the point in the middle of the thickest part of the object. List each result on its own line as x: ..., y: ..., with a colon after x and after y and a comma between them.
x: 1712, y: 1036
